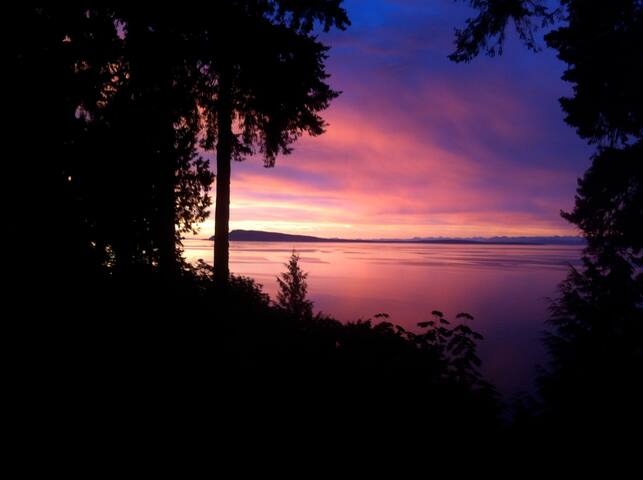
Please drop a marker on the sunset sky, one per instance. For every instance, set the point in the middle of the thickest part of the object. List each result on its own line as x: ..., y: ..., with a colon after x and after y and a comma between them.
x: 419, y: 146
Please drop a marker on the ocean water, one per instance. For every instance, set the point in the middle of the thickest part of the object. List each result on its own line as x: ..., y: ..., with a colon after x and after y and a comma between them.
x: 505, y: 287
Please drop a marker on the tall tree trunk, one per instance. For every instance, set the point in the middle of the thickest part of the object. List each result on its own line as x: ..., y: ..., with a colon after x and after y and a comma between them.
x: 224, y: 157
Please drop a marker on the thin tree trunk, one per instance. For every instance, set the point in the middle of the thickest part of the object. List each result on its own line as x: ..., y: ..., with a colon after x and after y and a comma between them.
x: 224, y: 157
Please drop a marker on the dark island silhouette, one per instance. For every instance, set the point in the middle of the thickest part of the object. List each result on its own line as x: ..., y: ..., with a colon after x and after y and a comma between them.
x: 263, y: 236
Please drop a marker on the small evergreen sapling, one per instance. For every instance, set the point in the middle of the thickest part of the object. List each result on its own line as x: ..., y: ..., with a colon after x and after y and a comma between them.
x: 293, y: 290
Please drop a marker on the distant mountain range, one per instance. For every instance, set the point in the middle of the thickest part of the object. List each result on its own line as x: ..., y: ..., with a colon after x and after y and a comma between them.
x: 261, y: 236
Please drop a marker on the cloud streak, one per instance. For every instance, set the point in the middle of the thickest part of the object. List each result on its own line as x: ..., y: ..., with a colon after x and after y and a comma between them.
x: 419, y: 146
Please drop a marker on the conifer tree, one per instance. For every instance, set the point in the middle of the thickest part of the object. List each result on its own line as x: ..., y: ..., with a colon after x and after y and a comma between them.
x: 293, y: 290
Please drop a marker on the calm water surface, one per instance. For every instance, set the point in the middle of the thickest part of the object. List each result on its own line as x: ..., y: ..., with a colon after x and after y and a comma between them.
x: 505, y: 287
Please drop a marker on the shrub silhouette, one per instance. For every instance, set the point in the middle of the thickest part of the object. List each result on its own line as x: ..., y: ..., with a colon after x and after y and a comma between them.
x: 293, y: 290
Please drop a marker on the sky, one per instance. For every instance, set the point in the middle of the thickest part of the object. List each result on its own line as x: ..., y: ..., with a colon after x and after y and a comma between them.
x: 418, y: 146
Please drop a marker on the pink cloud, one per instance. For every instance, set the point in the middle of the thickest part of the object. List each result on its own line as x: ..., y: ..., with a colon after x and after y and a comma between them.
x: 419, y: 147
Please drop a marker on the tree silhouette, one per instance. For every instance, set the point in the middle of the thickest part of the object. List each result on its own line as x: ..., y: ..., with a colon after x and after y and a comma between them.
x: 117, y: 162
x: 265, y: 93
x: 486, y: 32
x: 150, y: 128
x: 597, y: 344
x: 58, y: 59
x: 131, y: 95
x: 108, y: 107
x: 293, y: 290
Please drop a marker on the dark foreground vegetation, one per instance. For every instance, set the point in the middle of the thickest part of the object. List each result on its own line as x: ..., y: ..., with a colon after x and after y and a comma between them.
x: 110, y: 337
x: 119, y: 351
x: 594, y: 382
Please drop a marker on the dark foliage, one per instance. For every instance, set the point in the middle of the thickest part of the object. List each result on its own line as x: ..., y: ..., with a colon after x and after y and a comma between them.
x: 102, y: 102
x: 597, y: 342
x: 246, y: 110
x: 602, y: 44
x: 110, y: 337
x: 293, y: 290
x: 126, y: 95
x: 486, y: 32
x: 130, y: 355
x: 609, y: 202
x: 595, y: 378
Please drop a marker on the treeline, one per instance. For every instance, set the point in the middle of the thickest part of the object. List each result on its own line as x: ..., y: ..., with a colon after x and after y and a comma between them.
x: 109, y: 110
x: 594, y: 381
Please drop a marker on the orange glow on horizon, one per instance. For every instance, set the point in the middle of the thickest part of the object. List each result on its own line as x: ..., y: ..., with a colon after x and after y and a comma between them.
x: 369, y: 179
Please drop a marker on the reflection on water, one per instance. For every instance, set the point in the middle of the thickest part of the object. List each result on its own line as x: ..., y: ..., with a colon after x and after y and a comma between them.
x: 505, y: 287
